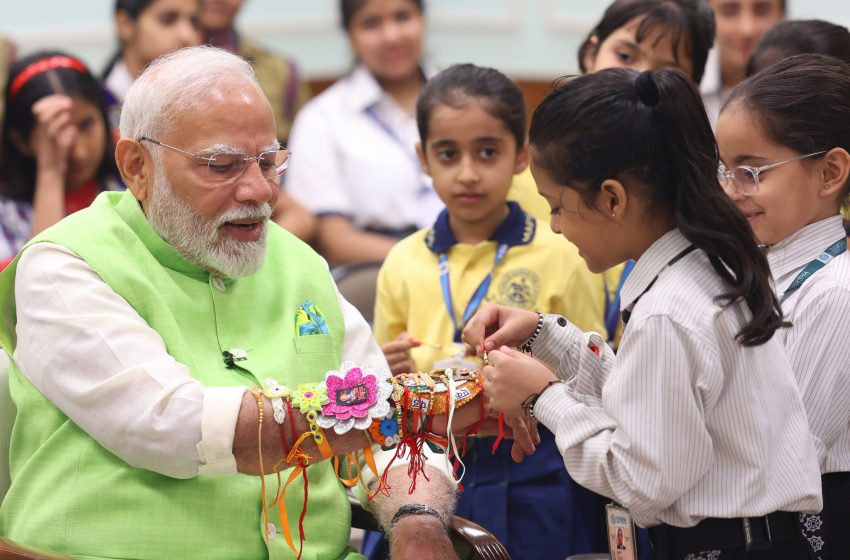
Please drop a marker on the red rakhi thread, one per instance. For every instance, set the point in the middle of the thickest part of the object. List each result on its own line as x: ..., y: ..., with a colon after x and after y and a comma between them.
x: 501, y: 435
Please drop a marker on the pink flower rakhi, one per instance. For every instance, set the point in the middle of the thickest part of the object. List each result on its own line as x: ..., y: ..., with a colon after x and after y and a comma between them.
x: 355, y: 396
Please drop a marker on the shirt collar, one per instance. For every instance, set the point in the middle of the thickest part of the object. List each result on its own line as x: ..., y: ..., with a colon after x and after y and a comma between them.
x: 517, y: 229
x: 803, y: 246
x: 712, y: 80
x: 365, y: 91
x: 650, y: 264
x: 119, y: 80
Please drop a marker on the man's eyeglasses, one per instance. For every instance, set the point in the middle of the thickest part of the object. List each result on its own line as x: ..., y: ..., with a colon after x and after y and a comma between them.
x: 224, y: 166
x: 745, y: 178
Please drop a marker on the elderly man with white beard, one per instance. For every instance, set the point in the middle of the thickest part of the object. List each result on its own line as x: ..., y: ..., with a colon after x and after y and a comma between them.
x: 138, y: 326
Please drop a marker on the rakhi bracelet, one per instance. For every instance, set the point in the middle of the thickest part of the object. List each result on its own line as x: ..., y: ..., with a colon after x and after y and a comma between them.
x: 526, y: 347
x: 431, y: 391
x: 276, y: 392
x: 258, y: 394
x: 356, y: 396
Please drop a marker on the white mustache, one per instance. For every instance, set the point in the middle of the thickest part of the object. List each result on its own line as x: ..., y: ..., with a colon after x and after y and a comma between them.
x: 260, y: 212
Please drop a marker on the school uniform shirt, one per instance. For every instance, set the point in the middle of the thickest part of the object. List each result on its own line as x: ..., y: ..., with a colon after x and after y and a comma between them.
x: 533, y: 508
x: 354, y: 155
x: 711, y: 87
x: 16, y: 216
x: 685, y: 423
x: 540, y: 271
x: 15, y: 226
x: 115, y: 86
x: 816, y: 342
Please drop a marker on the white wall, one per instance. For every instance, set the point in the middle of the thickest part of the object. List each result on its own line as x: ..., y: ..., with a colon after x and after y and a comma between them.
x: 524, y: 38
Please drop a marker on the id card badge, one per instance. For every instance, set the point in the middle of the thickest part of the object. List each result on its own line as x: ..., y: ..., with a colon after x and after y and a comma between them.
x: 456, y: 362
x: 621, y: 533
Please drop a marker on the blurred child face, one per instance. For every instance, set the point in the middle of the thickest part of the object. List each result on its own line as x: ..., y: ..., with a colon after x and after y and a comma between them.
x: 740, y: 25
x: 87, y: 133
x: 163, y: 27
x: 787, y: 199
x: 386, y: 35
x: 472, y: 158
x: 622, y: 50
x: 219, y: 14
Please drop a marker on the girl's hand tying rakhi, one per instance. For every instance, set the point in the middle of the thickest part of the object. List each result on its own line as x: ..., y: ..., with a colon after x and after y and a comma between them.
x: 511, y: 378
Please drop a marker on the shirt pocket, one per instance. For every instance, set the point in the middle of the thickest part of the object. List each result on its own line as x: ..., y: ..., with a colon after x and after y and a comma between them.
x: 315, y: 344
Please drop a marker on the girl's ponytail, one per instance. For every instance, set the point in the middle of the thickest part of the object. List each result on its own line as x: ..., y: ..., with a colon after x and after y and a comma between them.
x: 703, y: 212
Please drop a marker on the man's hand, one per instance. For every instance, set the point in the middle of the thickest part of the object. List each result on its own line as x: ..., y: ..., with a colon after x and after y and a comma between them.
x: 420, y: 537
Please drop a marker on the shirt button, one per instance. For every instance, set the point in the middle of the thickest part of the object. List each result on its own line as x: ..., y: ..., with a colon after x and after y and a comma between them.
x: 218, y: 283
x: 562, y: 321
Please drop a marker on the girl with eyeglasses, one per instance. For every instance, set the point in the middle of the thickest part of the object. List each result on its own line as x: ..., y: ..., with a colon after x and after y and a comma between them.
x: 784, y: 138
x: 56, y: 146
x: 696, y: 425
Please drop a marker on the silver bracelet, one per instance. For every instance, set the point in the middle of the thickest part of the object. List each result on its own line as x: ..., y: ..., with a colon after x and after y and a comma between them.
x: 526, y: 347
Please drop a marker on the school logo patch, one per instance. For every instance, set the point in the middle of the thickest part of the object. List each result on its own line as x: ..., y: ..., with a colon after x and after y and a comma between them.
x: 519, y: 288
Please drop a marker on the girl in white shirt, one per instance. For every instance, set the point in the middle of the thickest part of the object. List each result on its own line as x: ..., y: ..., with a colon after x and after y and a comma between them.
x: 697, y: 425
x: 355, y: 165
x: 784, y: 138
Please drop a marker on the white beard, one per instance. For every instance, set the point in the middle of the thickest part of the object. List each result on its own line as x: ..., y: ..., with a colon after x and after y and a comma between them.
x: 198, y: 238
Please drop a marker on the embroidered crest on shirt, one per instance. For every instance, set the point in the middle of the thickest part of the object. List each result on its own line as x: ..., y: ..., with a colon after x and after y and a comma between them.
x: 520, y: 288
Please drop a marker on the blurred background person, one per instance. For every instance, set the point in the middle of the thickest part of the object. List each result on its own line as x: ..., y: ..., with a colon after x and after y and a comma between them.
x: 354, y: 162
x: 740, y: 25
x: 279, y: 76
x: 7, y: 57
x: 56, y: 146
x: 147, y: 29
x: 791, y: 38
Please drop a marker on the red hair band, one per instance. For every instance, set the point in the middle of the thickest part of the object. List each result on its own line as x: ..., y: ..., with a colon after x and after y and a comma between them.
x: 42, y: 66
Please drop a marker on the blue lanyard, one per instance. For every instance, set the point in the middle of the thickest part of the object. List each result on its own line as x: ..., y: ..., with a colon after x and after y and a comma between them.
x: 612, y: 306
x: 627, y: 313
x: 407, y: 147
x: 823, y: 259
x: 477, y: 297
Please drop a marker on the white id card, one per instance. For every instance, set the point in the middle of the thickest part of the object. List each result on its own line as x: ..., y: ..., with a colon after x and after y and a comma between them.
x: 621, y: 533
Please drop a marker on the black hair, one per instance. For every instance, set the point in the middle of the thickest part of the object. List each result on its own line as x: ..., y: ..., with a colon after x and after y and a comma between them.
x: 348, y: 9
x: 801, y: 102
x: 789, y: 38
x: 18, y: 171
x: 134, y: 9
x: 457, y: 85
x: 650, y: 131
x: 691, y: 21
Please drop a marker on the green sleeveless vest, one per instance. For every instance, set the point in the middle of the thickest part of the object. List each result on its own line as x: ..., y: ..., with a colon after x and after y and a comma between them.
x: 72, y: 496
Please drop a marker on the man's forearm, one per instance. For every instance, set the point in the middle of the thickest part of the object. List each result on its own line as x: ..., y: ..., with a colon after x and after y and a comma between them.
x: 247, y: 432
